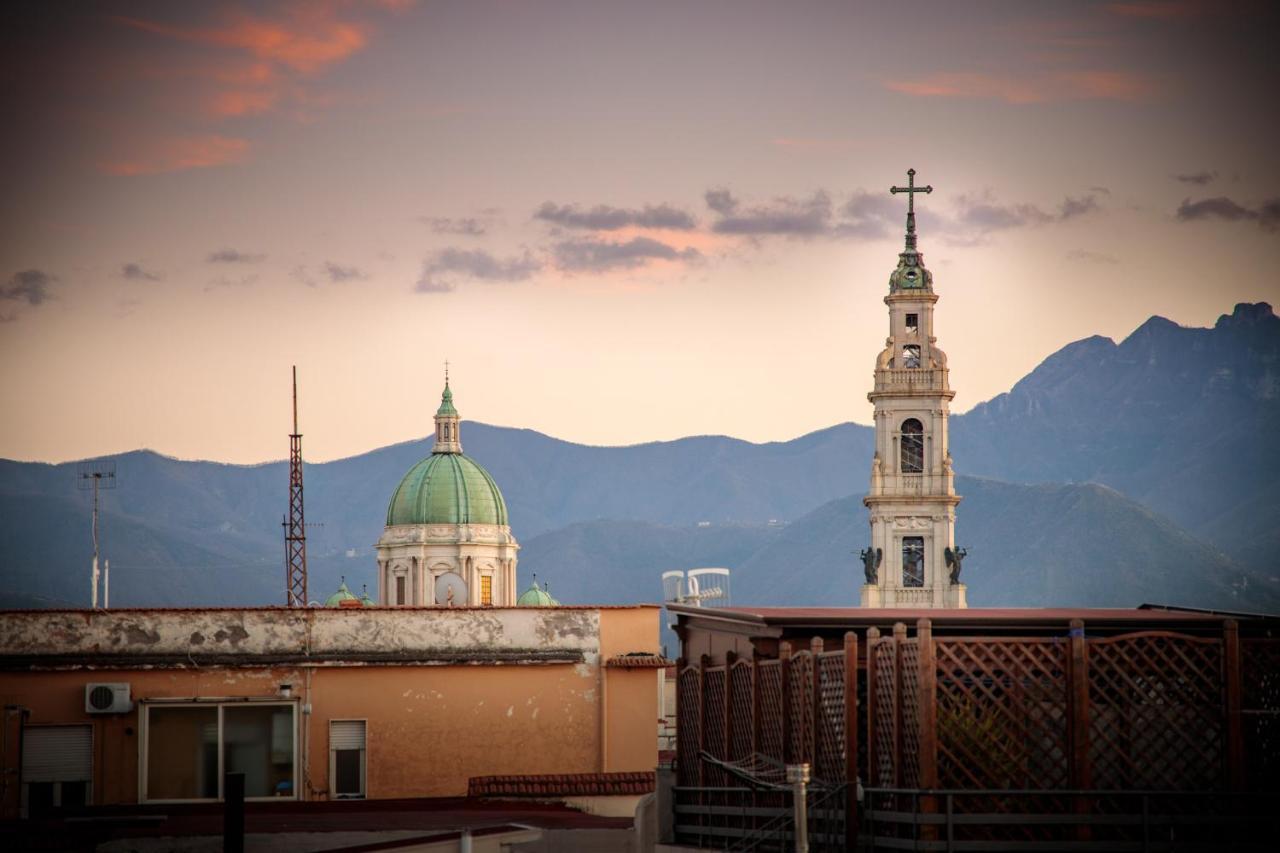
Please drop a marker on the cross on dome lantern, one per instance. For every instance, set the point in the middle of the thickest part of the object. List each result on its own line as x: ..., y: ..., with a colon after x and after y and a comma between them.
x: 911, y: 189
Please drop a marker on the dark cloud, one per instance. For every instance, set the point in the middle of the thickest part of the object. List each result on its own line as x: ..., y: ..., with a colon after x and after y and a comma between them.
x: 1197, y: 178
x: 1212, y: 208
x: 464, y: 227
x: 339, y: 274
x: 442, y: 270
x: 605, y: 218
x: 981, y: 214
x: 785, y: 216
x: 721, y: 201
x: 234, y: 256
x: 136, y: 272
x: 1073, y: 207
x: 231, y: 281
x: 870, y: 216
x: 600, y: 255
x: 29, y: 286
x: 1087, y: 257
x: 1269, y: 214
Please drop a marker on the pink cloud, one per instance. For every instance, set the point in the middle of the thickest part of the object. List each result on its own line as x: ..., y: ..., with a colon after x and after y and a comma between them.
x: 1029, y: 88
x: 178, y: 153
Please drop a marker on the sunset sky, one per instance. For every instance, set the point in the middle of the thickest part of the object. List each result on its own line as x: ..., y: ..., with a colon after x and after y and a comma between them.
x: 619, y: 222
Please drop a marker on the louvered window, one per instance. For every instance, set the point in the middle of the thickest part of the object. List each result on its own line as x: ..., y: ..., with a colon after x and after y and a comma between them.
x: 57, y: 767
x: 347, y: 758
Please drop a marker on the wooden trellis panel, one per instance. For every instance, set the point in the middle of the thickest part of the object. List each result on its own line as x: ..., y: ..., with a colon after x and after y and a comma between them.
x: 769, y: 674
x: 829, y: 737
x: 1002, y: 713
x: 1156, y: 716
x: 688, y: 726
x: 800, y: 708
x: 909, y: 709
x: 713, y: 741
x: 882, y: 653
x: 1260, y: 706
x: 740, y: 704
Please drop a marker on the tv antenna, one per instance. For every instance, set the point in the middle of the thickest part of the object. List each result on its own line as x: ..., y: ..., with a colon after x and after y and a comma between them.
x: 95, y: 475
x: 698, y: 587
x: 295, y: 528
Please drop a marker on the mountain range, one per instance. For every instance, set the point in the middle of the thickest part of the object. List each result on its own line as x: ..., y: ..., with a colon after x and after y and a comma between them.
x: 1109, y: 475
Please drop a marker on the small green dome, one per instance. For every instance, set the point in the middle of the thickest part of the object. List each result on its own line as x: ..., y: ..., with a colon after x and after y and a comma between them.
x: 446, y: 402
x: 536, y: 596
x: 365, y: 599
x: 447, y: 488
x: 343, y: 594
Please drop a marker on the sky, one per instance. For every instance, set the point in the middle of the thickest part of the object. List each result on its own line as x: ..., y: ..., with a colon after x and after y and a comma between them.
x: 618, y: 222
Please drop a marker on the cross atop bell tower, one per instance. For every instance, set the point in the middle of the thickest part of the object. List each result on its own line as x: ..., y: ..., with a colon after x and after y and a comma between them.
x: 911, y: 189
x: 912, y: 559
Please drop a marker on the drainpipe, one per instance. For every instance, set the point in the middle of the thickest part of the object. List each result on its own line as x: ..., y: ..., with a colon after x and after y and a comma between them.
x: 798, y: 776
x: 604, y: 716
x: 464, y: 841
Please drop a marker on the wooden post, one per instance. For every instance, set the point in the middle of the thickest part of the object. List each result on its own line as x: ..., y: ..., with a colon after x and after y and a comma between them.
x: 815, y: 652
x: 899, y: 640
x: 927, y: 716
x: 755, y: 704
x: 873, y: 756
x: 851, y: 740
x: 1078, y: 701
x: 1232, y: 673
x: 729, y: 659
x: 784, y: 669
x: 702, y: 717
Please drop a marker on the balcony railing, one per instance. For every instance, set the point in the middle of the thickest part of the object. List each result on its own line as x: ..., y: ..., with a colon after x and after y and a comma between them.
x: 911, y: 379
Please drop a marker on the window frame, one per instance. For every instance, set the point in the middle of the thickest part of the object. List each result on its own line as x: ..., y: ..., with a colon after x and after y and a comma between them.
x: 364, y: 761
x: 220, y: 703
x: 902, y: 446
x: 486, y: 590
x: 923, y: 569
x: 24, y: 783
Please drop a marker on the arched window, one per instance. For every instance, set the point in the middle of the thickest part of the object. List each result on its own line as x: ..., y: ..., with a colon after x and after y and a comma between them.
x: 913, y: 561
x: 912, y: 446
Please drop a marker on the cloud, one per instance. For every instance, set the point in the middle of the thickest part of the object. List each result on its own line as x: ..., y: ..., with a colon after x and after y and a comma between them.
x: 441, y: 272
x: 602, y: 255
x: 1073, y: 207
x: 466, y: 227
x: 1087, y: 257
x: 979, y: 215
x: 1267, y: 215
x: 230, y: 281
x: 339, y: 274
x: 870, y: 216
x: 29, y: 286
x: 602, y: 217
x: 156, y: 156
x: 234, y: 256
x: 1213, y: 208
x: 721, y: 201
x: 1197, y: 178
x: 136, y: 272
x: 1022, y: 88
x: 784, y: 216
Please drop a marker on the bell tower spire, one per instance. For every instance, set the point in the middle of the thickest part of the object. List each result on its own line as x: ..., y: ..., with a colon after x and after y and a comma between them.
x: 912, y: 560
x: 447, y: 438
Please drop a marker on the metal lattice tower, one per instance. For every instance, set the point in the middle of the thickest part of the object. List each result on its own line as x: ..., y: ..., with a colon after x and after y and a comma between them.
x: 295, y: 526
x: 96, y: 475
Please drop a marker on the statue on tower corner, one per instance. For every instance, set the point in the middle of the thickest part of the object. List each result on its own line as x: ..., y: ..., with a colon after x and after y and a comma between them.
x: 954, y: 557
x: 871, y: 562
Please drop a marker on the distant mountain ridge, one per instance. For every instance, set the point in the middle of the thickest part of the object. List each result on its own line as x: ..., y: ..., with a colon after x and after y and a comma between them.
x: 1180, y: 420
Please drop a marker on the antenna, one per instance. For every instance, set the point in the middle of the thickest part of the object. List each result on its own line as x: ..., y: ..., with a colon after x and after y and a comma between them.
x: 99, y: 474
x: 698, y: 587
x: 295, y: 527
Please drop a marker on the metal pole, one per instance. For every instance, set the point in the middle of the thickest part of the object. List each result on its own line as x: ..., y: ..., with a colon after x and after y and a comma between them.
x: 233, y: 813
x: 106, y: 585
x: 94, y: 596
x: 798, y: 776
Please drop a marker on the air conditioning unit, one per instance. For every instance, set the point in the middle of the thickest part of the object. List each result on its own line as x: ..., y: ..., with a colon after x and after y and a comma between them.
x: 107, y: 699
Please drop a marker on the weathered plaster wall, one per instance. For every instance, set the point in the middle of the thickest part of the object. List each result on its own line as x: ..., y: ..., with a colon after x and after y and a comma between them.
x: 429, y: 727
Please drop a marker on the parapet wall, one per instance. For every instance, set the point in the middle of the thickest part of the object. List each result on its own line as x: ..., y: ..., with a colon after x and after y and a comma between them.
x: 280, y: 635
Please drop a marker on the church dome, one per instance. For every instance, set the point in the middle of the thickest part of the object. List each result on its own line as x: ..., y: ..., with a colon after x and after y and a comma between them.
x: 342, y: 595
x: 447, y: 488
x: 536, y: 596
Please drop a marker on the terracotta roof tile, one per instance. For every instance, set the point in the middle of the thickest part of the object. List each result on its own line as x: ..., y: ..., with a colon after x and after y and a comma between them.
x: 563, y: 785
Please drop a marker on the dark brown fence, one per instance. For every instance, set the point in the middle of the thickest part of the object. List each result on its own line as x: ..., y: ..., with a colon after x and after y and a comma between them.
x: 741, y: 723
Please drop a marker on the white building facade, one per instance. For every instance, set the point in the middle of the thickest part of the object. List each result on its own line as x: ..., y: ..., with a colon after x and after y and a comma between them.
x: 912, y: 560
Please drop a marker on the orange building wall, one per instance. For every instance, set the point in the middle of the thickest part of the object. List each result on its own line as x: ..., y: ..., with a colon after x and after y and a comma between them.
x: 429, y: 728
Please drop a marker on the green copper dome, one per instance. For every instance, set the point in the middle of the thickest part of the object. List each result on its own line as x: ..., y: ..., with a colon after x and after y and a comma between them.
x: 536, y: 596
x: 343, y: 594
x: 446, y: 402
x: 447, y: 488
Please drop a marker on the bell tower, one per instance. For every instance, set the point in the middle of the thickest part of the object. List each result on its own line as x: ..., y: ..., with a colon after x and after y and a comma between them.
x: 912, y: 560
